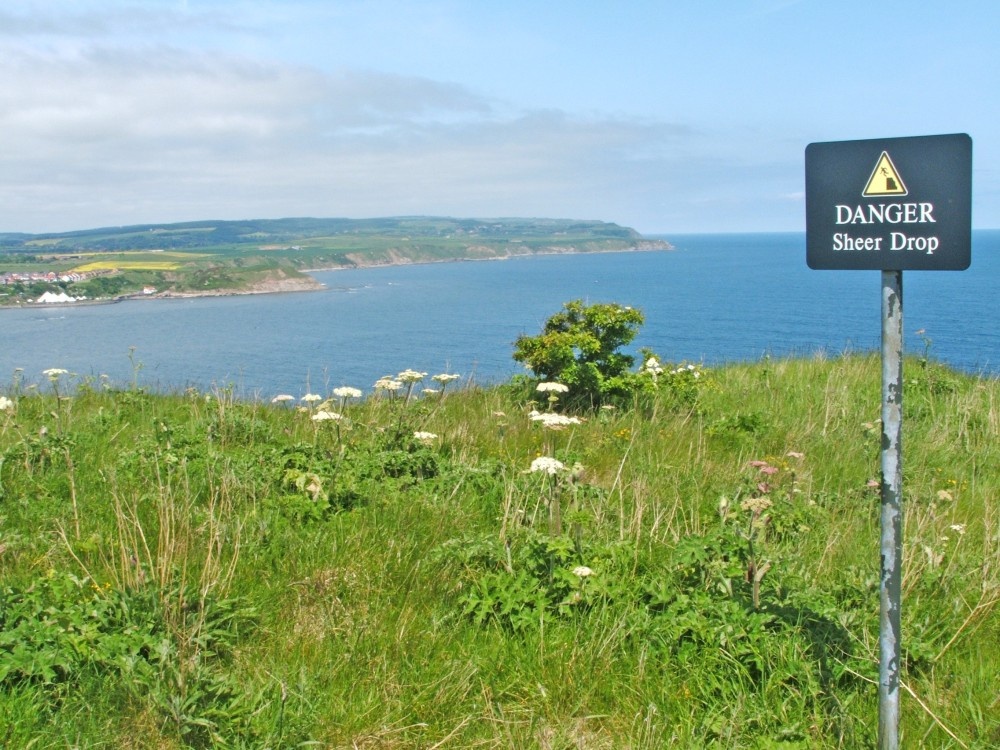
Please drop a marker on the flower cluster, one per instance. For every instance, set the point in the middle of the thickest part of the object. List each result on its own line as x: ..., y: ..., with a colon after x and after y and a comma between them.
x: 553, y: 421
x: 388, y: 384
x: 411, y: 376
x: 326, y: 416
x: 347, y: 392
x: 756, y: 505
x: 547, y: 465
x: 651, y: 367
x: 691, y: 370
x: 552, y: 388
x: 6, y: 404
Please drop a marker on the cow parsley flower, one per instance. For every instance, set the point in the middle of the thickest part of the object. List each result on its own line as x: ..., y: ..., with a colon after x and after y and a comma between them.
x: 553, y: 421
x: 411, y: 376
x: 445, y: 378
x: 54, y: 372
x: 326, y: 416
x: 6, y: 404
x: 582, y: 571
x: 311, y: 398
x: 346, y: 391
x: 552, y: 388
x: 281, y: 398
x: 388, y: 384
x: 547, y: 465
x: 424, y: 437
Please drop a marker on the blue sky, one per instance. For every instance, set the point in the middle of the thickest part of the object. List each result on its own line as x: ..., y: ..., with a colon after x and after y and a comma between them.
x: 666, y: 116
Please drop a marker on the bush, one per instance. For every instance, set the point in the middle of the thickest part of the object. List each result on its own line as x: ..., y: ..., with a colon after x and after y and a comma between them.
x: 579, y: 347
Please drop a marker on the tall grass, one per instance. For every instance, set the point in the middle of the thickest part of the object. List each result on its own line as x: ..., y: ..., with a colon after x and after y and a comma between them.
x: 190, y: 570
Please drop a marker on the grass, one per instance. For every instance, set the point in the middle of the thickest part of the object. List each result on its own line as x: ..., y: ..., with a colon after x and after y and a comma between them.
x: 189, y: 570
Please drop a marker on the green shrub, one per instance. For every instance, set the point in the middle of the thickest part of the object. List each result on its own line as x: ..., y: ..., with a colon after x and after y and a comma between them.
x: 579, y: 347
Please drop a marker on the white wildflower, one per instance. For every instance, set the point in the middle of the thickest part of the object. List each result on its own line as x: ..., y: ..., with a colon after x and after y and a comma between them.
x: 958, y: 528
x: 411, y: 376
x: 388, y: 384
x: 326, y: 416
x: 311, y: 398
x: 582, y: 571
x: 281, y: 398
x: 553, y: 421
x: 54, y: 372
x: 445, y: 378
x: 6, y: 404
x: 653, y: 366
x: 547, y: 465
x: 424, y: 437
x: 552, y: 388
x: 346, y: 391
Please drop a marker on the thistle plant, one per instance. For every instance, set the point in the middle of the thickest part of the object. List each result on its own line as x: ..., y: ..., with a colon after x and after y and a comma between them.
x: 757, y: 520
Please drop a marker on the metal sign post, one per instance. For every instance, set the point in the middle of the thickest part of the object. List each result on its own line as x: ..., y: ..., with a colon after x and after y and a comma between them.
x: 889, y: 205
x: 890, y: 594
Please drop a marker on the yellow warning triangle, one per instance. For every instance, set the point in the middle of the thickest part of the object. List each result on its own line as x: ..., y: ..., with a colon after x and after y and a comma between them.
x: 885, y: 180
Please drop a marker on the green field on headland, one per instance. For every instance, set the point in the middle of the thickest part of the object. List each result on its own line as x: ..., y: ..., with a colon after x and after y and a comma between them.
x: 231, y: 257
x: 695, y: 568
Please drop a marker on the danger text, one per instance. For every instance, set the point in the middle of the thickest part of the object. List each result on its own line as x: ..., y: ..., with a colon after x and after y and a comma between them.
x: 886, y: 213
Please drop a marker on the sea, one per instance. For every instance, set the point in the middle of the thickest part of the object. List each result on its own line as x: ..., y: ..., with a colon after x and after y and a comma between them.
x: 713, y: 299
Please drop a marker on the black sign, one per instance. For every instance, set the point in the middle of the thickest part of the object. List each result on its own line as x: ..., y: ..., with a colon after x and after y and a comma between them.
x: 890, y: 204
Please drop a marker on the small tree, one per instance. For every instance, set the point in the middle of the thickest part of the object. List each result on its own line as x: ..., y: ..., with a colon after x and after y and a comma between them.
x: 579, y: 347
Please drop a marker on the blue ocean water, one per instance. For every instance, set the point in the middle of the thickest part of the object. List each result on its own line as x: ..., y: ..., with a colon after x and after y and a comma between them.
x: 714, y: 299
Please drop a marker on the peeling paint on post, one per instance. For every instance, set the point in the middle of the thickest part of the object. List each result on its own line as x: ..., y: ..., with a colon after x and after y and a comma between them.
x: 890, y: 594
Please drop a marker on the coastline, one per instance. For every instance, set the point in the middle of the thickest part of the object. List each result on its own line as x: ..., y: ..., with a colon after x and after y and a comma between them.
x: 643, y: 246
x: 284, y: 284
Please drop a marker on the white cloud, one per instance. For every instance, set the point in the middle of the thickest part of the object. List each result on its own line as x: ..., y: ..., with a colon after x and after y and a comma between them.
x: 114, y: 135
x: 120, y: 114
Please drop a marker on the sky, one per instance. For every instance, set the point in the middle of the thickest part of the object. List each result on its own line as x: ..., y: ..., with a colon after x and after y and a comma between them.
x: 668, y: 116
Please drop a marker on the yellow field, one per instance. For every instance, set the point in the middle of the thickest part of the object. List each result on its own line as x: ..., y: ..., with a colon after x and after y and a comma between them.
x: 128, y: 265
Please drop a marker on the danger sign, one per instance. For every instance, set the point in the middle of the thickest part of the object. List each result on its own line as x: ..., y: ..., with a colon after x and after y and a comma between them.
x: 890, y: 204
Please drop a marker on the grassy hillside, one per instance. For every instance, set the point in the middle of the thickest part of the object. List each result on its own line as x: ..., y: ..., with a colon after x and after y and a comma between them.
x: 234, y: 256
x: 189, y: 570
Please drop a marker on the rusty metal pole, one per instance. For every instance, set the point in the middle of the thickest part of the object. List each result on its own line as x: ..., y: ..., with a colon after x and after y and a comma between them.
x: 890, y: 588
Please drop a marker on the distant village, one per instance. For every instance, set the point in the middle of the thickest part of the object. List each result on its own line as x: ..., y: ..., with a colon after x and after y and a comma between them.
x: 52, y: 277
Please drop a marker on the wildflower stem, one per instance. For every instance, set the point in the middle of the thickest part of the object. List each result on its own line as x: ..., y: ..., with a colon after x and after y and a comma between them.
x: 555, y: 508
